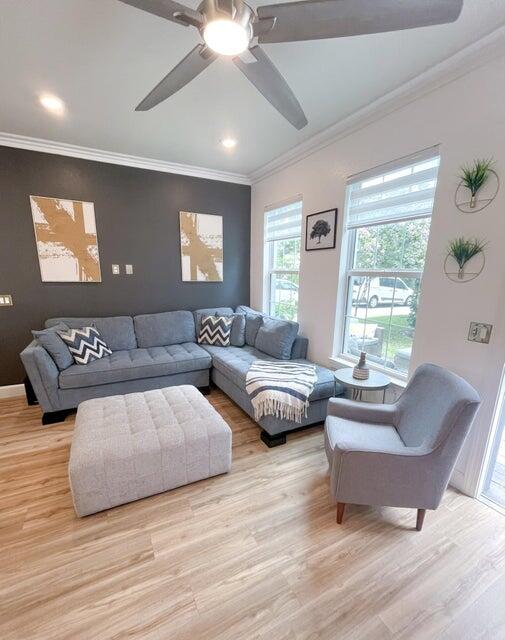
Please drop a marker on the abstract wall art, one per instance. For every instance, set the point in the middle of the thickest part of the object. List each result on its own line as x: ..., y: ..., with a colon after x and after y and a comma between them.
x: 201, y: 247
x: 67, y: 244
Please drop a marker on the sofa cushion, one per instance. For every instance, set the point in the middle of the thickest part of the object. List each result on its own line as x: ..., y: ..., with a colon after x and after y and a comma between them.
x: 85, y: 344
x: 276, y: 337
x: 161, y: 329
x: 237, y: 338
x: 215, y: 330
x: 234, y: 363
x: 54, y: 345
x: 253, y: 321
x: 136, y: 364
x: 117, y: 331
x: 211, y: 311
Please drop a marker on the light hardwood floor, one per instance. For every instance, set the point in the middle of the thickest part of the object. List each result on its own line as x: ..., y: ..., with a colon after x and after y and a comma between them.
x: 255, y: 554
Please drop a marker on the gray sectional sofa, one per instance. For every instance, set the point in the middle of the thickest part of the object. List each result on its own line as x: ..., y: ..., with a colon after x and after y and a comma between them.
x: 159, y: 350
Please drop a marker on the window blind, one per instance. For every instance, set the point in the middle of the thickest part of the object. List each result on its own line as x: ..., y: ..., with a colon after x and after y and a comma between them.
x: 397, y: 192
x: 283, y: 223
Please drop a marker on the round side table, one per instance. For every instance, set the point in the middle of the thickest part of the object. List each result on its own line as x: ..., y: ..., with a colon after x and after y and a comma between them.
x: 376, y: 382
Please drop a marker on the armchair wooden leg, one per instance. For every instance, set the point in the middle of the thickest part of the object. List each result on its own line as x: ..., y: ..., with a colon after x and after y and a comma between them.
x: 340, y: 511
x: 420, y: 518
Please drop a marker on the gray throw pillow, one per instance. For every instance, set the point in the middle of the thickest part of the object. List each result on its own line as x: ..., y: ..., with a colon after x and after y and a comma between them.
x: 252, y: 325
x: 237, y: 338
x: 276, y: 337
x: 54, y: 345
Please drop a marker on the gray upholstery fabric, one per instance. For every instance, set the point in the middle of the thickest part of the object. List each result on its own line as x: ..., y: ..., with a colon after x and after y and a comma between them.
x: 71, y: 398
x: 300, y: 347
x: 234, y: 363
x: 132, y: 446
x: 43, y: 374
x: 400, y: 455
x: 135, y: 364
x: 117, y: 331
x: 252, y: 325
x: 276, y: 337
x: 161, y: 329
x: 54, y: 345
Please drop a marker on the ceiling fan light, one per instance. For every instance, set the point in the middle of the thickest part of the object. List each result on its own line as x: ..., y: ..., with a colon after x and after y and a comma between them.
x: 226, y: 37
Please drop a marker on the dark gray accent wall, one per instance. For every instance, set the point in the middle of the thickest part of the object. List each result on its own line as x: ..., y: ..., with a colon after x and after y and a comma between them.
x: 137, y: 218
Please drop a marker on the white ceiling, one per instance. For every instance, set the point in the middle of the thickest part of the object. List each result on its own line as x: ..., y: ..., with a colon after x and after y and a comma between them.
x: 102, y: 57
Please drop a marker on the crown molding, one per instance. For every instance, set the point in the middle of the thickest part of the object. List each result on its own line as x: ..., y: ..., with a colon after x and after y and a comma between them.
x: 461, y: 63
x: 99, y: 155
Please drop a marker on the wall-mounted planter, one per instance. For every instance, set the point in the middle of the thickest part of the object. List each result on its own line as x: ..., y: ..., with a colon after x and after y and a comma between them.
x: 465, y: 259
x: 479, y: 184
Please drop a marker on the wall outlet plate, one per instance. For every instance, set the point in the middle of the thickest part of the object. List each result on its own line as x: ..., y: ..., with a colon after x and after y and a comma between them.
x: 5, y: 300
x: 115, y: 269
x: 128, y: 269
x: 480, y: 332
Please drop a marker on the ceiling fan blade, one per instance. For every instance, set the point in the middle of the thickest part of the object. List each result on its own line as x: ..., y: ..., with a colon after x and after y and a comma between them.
x: 168, y: 9
x: 188, y: 68
x: 265, y: 76
x: 315, y: 19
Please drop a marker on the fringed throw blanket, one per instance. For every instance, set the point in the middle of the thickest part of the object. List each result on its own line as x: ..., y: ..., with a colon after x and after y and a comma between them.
x: 280, y: 389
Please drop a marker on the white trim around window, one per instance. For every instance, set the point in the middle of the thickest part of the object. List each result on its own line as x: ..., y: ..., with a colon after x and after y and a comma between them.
x: 387, y: 219
x: 282, y: 248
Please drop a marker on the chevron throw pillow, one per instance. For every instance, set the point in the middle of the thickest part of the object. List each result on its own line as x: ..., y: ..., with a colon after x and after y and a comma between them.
x: 215, y: 330
x: 85, y: 344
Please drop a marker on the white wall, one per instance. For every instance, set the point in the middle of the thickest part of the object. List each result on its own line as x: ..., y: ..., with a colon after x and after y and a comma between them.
x: 467, y: 118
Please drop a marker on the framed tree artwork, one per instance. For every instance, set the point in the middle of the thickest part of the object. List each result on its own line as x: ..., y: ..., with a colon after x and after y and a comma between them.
x: 321, y: 230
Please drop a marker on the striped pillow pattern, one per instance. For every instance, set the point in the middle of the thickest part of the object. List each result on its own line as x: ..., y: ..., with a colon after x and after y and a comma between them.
x: 215, y: 330
x: 85, y: 344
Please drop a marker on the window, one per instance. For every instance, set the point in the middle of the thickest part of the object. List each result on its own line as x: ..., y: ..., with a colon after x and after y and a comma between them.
x: 388, y: 213
x: 283, y: 229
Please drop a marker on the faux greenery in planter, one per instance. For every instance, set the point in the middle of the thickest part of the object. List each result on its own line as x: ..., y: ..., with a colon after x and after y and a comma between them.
x: 474, y: 176
x: 463, y: 250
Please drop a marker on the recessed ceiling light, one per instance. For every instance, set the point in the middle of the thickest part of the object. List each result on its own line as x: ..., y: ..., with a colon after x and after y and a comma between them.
x: 229, y: 143
x: 52, y: 103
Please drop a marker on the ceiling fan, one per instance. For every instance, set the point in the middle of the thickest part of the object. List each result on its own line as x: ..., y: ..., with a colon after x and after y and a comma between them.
x: 231, y: 27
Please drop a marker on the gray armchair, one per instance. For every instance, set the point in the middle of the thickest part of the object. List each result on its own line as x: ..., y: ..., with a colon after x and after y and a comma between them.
x: 401, y: 454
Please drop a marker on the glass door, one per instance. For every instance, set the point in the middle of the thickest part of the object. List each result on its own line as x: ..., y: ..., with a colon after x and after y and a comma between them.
x: 493, y: 488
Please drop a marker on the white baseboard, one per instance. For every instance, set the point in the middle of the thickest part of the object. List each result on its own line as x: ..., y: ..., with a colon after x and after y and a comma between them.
x: 12, y: 391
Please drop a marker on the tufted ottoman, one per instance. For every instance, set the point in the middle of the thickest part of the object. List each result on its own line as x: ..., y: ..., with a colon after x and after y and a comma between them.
x: 132, y: 446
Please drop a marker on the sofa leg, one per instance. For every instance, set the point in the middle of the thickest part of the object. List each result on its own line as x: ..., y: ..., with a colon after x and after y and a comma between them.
x: 31, y: 398
x: 420, y: 518
x: 52, y: 417
x: 204, y: 390
x: 273, y: 441
x: 340, y: 511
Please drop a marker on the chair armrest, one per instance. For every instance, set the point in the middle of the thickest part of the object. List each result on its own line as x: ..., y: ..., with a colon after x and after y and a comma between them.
x: 407, y: 477
x: 43, y: 374
x: 362, y: 411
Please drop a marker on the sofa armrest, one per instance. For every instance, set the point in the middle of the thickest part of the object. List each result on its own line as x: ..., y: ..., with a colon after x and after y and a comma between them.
x: 43, y: 374
x: 362, y: 411
x: 299, y: 349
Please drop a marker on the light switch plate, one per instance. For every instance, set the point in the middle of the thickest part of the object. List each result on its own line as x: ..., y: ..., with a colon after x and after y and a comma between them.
x: 5, y: 300
x: 480, y: 332
x: 128, y: 269
x: 115, y: 269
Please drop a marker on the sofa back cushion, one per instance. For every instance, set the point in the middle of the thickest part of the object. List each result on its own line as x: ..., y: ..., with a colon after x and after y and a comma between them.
x: 55, y: 346
x: 162, y: 329
x: 276, y: 337
x: 253, y: 321
x: 117, y: 331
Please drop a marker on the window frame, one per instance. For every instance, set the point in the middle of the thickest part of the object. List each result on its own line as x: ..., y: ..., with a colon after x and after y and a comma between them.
x: 268, y: 255
x: 347, y: 271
